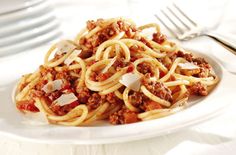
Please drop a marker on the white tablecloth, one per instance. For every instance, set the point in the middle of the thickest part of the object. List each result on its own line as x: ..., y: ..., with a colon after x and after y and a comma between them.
x: 217, y: 136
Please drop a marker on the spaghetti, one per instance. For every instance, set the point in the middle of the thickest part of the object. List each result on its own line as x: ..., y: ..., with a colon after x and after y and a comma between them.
x: 111, y: 71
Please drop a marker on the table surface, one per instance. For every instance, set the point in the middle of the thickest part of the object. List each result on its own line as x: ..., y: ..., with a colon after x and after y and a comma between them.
x: 216, y: 136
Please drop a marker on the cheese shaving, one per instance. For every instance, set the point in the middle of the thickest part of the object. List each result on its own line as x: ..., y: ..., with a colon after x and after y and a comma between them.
x: 65, y: 99
x: 131, y: 80
x: 64, y: 47
x: 72, y: 57
x: 52, y: 86
x: 188, y: 65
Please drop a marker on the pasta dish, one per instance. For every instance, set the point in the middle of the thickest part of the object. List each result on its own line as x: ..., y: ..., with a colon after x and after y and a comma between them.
x: 113, y: 71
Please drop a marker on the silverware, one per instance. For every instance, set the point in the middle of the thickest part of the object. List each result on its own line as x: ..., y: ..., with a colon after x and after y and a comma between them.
x: 187, y: 29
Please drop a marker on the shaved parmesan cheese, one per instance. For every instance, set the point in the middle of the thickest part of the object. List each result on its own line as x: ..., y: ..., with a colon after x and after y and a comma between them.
x: 72, y: 57
x: 64, y: 47
x: 52, y: 86
x: 188, y: 65
x: 131, y: 80
x: 113, y: 60
x: 65, y: 99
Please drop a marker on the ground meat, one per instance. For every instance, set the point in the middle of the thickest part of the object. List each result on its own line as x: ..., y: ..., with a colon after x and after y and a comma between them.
x: 204, y: 67
x: 133, y: 58
x: 130, y: 68
x: 204, y: 72
x: 91, y: 24
x: 112, y: 30
x: 40, y: 84
x: 93, y: 76
x: 120, y: 63
x: 146, y: 79
x: 36, y: 93
x: 172, y: 78
x: 158, y: 37
x: 165, y: 61
x: 103, y: 76
x: 157, y: 88
x: 199, y: 60
x: 27, y: 105
x: 151, y: 105
x: 67, y: 88
x: 127, y: 28
x: 95, y: 101
x: 83, y: 95
x: 90, y: 63
x: 65, y: 75
x: 85, y: 54
x: 83, y: 41
x: 172, y: 55
x: 54, y: 95
x: 45, y: 70
x: 113, y: 99
x: 187, y: 56
x: 145, y: 68
x: 62, y: 110
x: 136, y: 99
x: 93, y: 42
x: 145, y: 42
x: 162, y: 74
x: 198, y: 89
x: 106, y: 33
x: 123, y: 116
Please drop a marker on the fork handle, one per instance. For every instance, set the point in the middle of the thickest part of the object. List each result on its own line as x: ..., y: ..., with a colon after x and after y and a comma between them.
x: 227, y: 42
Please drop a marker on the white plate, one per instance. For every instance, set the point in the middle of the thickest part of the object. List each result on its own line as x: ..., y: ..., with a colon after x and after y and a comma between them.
x: 28, y: 34
x: 7, y: 6
x: 29, y: 12
x: 14, y: 28
x: 28, y: 44
x: 11, y: 121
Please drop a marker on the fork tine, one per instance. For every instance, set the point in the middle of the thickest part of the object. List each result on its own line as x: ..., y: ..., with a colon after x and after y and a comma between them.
x: 167, y: 27
x: 195, y: 24
x: 168, y: 17
x: 174, y: 14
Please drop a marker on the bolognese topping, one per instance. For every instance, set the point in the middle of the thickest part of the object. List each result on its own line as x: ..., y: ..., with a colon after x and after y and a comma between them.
x: 123, y: 116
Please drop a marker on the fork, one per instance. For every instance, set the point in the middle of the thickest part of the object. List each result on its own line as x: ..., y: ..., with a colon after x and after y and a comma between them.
x: 191, y: 28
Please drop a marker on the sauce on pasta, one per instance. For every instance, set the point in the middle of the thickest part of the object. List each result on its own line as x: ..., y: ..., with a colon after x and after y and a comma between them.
x: 113, y: 72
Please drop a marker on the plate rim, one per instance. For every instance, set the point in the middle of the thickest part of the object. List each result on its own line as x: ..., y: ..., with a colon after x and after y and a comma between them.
x: 26, y: 44
x: 28, y: 34
x: 24, y: 5
x: 7, y: 19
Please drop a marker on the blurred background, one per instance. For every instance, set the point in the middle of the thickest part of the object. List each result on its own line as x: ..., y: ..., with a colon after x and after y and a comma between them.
x: 211, y: 13
x: 25, y: 24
